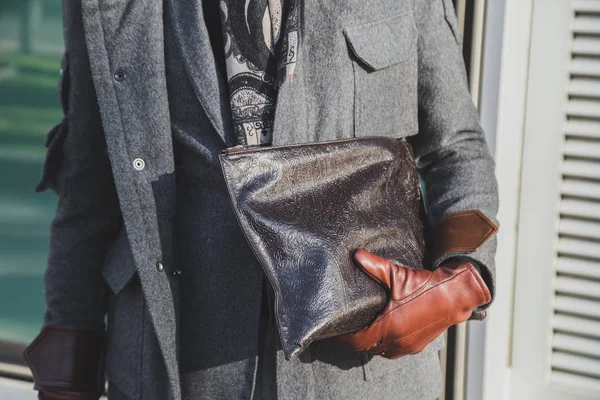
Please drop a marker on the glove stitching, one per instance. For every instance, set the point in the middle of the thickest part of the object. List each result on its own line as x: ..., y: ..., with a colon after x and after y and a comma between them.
x: 417, y: 293
x: 411, y: 335
x: 421, y: 330
x: 427, y: 339
x: 409, y: 299
x: 412, y: 297
x: 401, y: 302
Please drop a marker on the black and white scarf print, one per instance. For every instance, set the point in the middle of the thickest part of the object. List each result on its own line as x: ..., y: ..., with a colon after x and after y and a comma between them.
x: 261, y: 42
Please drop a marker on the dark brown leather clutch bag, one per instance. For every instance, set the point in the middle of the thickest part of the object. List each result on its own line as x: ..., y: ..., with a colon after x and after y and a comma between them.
x: 305, y: 208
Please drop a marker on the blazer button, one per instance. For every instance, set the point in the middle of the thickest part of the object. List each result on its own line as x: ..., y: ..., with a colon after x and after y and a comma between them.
x: 119, y: 76
x: 139, y: 164
x: 159, y: 267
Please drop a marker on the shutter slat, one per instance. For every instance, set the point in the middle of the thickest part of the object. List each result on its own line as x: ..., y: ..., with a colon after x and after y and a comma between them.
x: 579, y: 248
x: 576, y: 305
x: 589, y: 6
x: 583, y: 149
x: 583, y: 189
x: 580, y: 208
x: 574, y: 344
x: 576, y: 325
x: 585, y: 67
x: 583, y: 128
x: 575, y: 352
x: 581, y: 168
x: 579, y: 228
x: 584, y: 87
x: 578, y: 287
x: 574, y: 266
x: 580, y: 382
x: 586, y: 46
x: 583, y: 108
x: 587, y: 25
x: 570, y: 362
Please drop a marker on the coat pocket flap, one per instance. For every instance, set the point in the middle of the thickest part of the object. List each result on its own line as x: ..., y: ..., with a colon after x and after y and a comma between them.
x: 119, y: 266
x: 385, y: 42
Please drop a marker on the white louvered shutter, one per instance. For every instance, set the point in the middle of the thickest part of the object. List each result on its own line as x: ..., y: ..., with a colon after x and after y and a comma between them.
x: 555, y: 351
x: 575, y: 358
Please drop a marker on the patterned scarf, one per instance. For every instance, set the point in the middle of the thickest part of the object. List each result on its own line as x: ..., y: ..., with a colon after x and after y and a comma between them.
x: 261, y: 42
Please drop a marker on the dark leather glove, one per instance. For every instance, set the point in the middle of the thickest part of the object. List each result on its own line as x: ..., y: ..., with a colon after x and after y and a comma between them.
x: 422, y: 305
x: 67, y: 363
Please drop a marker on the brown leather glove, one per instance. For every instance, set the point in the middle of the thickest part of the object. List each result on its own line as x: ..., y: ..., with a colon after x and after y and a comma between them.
x: 67, y: 363
x: 461, y: 232
x: 422, y: 305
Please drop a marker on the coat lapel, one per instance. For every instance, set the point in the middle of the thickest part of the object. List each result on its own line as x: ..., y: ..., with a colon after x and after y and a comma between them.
x: 191, y: 34
x: 137, y: 26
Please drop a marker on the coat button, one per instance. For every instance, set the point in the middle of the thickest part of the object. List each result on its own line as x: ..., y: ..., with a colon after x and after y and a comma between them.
x: 119, y: 76
x: 159, y: 267
x: 139, y: 164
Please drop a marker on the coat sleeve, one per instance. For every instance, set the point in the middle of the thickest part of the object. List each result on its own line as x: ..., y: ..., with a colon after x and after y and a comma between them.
x: 67, y: 356
x: 452, y: 156
x: 78, y: 170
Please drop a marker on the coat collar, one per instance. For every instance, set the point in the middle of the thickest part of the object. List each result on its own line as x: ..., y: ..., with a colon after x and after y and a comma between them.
x: 191, y: 35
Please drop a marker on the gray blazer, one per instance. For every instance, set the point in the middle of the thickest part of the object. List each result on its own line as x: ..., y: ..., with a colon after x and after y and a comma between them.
x: 378, y: 67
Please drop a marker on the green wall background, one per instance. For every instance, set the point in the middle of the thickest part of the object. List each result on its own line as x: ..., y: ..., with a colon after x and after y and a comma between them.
x: 31, y: 46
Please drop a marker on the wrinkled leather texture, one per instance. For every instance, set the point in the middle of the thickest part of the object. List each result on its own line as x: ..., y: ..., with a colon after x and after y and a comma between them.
x: 305, y: 208
x: 67, y: 358
x: 422, y: 305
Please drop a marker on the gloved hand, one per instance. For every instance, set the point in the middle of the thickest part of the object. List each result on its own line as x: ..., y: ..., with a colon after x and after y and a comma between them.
x: 67, y: 363
x: 422, y: 304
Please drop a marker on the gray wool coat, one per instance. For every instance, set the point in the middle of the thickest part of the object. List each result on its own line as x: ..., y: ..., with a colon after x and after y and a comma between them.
x: 139, y: 76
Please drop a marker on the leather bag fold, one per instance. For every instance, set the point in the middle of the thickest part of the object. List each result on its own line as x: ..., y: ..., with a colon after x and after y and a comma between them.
x: 305, y: 208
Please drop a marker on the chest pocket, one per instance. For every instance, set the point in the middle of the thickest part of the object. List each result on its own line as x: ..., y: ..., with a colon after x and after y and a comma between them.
x: 384, y: 57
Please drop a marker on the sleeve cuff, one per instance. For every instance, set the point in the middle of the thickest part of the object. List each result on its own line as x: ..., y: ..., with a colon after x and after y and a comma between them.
x: 68, y: 359
x: 467, y: 236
